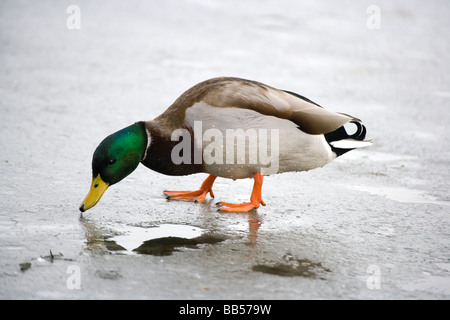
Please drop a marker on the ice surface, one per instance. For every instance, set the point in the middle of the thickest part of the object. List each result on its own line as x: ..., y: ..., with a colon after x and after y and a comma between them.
x: 63, y: 90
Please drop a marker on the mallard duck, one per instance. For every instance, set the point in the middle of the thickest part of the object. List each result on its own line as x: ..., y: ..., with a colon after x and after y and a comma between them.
x: 230, y: 128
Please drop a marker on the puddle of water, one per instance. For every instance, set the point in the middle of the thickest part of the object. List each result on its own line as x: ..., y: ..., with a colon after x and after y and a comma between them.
x: 294, y: 267
x: 132, y: 237
x: 401, y: 194
x: 167, y: 245
x: 161, y: 240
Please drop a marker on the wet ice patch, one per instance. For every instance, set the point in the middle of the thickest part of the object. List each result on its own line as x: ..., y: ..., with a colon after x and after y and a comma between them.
x: 161, y: 240
x: 167, y: 245
x: 379, y: 156
x: 401, y: 194
x: 132, y: 237
x: 292, y: 267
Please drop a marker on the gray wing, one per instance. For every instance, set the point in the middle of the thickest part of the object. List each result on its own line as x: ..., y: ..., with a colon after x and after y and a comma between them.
x: 228, y: 92
x: 310, y: 117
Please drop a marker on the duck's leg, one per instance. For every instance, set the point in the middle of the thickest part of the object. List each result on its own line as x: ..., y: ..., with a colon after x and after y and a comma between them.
x: 197, y: 195
x: 255, y: 199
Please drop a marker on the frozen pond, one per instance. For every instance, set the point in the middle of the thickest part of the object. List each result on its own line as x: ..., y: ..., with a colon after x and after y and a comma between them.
x: 373, y: 224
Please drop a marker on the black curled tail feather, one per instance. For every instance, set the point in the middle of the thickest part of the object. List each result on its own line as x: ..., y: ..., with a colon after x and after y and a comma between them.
x: 341, y: 134
x: 360, y: 133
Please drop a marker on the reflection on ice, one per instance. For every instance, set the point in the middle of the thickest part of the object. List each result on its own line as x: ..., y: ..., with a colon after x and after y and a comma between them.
x: 132, y: 237
x: 160, y: 240
x: 167, y: 245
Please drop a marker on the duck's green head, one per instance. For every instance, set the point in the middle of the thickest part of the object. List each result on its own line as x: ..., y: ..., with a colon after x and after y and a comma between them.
x: 115, y: 158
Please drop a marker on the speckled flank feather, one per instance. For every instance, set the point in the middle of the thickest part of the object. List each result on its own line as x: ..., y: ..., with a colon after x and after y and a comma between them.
x: 296, y: 150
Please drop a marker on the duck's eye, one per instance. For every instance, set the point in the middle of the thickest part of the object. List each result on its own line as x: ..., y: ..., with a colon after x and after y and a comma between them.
x: 111, y: 162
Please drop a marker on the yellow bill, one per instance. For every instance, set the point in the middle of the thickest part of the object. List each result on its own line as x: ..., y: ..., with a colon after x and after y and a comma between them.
x: 98, y: 188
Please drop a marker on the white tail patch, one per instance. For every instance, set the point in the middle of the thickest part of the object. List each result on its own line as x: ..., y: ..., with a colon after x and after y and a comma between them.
x: 350, y: 144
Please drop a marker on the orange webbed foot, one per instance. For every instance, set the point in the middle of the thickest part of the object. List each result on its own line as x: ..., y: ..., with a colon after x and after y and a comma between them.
x: 237, y: 207
x: 197, y: 195
x: 255, y: 199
